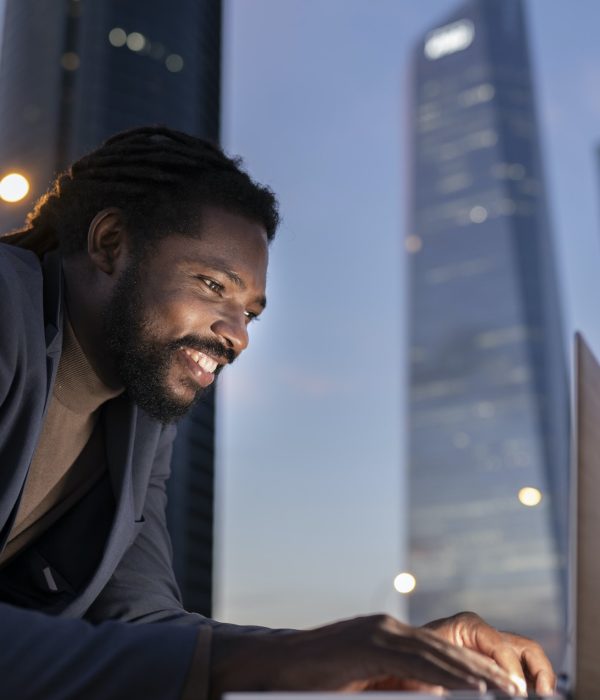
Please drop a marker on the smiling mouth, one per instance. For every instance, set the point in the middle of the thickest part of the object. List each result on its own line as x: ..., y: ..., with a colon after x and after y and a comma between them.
x: 200, y: 366
x: 203, y: 361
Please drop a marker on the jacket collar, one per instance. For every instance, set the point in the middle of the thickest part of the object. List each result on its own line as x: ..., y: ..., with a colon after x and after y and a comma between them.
x: 53, y: 311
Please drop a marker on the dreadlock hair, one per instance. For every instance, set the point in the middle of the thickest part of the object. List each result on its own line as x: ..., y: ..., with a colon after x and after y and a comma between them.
x: 160, y: 179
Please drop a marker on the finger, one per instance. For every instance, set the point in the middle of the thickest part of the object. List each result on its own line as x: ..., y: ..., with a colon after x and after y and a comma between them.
x: 431, y: 669
x: 496, y: 675
x: 394, y: 683
x: 498, y: 646
x: 452, y: 664
x: 424, y: 656
x: 545, y: 684
x: 508, y: 659
x: 536, y: 664
x: 540, y: 669
x: 419, y: 687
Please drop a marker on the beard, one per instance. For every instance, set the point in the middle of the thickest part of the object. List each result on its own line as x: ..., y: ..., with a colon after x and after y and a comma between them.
x: 143, y: 362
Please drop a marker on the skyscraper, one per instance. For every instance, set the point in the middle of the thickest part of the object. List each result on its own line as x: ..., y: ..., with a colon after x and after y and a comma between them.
x: 72, y: 73
x: 488, y: 400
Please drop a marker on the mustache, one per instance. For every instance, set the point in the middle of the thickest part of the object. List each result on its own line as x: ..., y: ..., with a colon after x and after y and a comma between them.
x: 209, y: 346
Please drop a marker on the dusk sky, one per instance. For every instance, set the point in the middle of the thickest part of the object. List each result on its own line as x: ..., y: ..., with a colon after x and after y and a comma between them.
x: 311, y: 441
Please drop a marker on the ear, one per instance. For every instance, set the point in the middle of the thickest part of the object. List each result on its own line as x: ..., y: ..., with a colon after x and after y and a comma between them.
x: 107, y: 240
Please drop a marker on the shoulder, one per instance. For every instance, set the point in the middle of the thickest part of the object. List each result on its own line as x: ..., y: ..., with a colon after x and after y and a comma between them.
x: 21, y: 299
x: 18, y: 261
x: 20, y: 276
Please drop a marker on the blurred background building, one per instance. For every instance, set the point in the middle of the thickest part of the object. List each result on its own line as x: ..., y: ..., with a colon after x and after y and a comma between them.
x: 72, y: 73
x: 488, y: 417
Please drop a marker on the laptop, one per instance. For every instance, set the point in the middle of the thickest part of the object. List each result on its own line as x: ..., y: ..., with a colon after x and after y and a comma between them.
x: 581, y: 680
x: 583, y: 652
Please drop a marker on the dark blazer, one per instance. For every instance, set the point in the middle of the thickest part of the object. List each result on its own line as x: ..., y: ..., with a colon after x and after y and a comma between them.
x: 109, y: 557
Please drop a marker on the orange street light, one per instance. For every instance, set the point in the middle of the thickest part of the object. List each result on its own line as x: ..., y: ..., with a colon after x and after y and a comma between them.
x: 13, y: 187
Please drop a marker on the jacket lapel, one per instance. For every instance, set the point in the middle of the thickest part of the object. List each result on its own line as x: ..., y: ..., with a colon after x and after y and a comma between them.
x: 52, y: 285
x: 119, y: 416
x: 53, y: 317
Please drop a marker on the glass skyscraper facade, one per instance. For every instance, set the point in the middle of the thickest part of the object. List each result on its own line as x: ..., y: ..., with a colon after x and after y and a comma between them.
x: 74, y: 72
x: 488, y: 395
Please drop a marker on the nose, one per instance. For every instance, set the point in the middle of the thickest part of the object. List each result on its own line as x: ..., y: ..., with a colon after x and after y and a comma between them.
x: 231, y: 330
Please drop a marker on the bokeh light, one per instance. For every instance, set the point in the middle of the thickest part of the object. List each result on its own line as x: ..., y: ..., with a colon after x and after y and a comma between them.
x: 117, y: 37
x: 136, y: 41
x: 530, y: 496
x: 13, y: 187
x: 405, y: 582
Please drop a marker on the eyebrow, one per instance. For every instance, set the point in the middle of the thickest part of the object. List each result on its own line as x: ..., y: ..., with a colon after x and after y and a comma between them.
x: 220, y: 266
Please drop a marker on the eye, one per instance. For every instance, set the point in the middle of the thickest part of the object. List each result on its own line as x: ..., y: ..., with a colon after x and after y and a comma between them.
x: 211, y: 284
x: 251, y: 316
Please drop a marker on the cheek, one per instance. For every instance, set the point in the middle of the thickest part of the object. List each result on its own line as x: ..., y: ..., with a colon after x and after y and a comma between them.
x: 178, y: 314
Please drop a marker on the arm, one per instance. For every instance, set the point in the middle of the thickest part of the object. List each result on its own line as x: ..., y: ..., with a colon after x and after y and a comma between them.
x: 49, y: 658
x: 366, y: 653
x: 143, y: 588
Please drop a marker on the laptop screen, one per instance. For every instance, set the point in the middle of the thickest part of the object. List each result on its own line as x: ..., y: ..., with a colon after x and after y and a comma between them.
x: 585, y: 543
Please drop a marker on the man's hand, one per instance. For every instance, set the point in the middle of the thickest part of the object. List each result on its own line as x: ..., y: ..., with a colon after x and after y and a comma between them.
x: 364, y: 653
x: 520, y: 657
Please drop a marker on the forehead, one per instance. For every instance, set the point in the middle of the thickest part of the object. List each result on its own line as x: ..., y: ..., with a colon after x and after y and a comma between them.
x: 222, y: 239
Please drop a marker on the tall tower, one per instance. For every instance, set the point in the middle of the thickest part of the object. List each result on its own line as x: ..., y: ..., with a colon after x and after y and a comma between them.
x: 488, y: 410
x: 74, y: 72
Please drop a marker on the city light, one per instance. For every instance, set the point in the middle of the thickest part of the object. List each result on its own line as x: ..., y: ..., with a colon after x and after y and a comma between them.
x: 136, y: 41
x: 478, y: 214
x: 13, y: 187
x: 454, y: 37
x: 530, y: 496
x: 405, y: 583
x: 70, y: 61
x: 413, y: 243
x: 117, y: 37
x: 174, y: 63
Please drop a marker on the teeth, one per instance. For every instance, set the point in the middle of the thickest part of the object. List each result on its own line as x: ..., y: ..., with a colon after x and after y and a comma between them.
x: 202, y: 360
x: 207, y: 364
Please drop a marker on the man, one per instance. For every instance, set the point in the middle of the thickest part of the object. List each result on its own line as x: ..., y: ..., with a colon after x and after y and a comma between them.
x: 131, y: 287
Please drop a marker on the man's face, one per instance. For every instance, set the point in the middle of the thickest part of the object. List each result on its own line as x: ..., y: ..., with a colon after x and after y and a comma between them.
x: 179, y: 314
